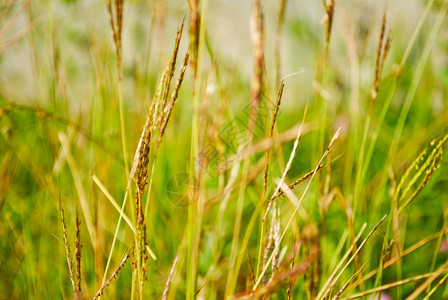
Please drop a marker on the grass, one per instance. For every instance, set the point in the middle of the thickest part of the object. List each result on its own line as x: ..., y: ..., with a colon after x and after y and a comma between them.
x: 199, y: 149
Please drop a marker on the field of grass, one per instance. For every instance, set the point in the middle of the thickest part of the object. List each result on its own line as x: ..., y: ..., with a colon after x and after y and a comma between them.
x: 223, y: 149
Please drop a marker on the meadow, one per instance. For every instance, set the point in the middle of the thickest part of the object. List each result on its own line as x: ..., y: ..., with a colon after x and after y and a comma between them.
x: 223, y: 149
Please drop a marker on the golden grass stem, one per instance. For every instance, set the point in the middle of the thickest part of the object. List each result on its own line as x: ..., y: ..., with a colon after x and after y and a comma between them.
x: 113, y: 202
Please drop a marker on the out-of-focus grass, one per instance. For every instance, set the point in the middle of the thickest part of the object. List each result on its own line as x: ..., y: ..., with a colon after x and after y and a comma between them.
x: 60, y: 125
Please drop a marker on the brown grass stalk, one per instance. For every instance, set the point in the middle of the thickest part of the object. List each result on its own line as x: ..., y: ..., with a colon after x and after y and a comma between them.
x: 78, y: 247
x: 112, y: 277
x: 288, y: 165
x: 328, y: 21
x: 173, y: 100
x: 169, y: 72
x: 157, y: 118
x: 381, y: 54
x: 170, y: 277
x: 257, y: 34
x: 73, y: 268
x: 271, y: 130
x: 115, y: 11
x: 345, y: 286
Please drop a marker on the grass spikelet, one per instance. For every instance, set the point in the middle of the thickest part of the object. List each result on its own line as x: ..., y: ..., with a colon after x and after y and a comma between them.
x: 289, y: 164
x: 68, y: 254
x: 112, y: 277
x: 301, y: 179
x: 328, y: 21
x: 139, y: 174
x: 115, y: 11
x: 169, y: 108
x: 195, y: 21
x: 163, y: 91
x: 78, y: 247
x: 74, y: 269
x: 157, y: 119
x: 419, y: 173
x: 381, y: 55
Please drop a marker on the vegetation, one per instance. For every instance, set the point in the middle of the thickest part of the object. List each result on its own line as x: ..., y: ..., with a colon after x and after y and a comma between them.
x: 220, y: 150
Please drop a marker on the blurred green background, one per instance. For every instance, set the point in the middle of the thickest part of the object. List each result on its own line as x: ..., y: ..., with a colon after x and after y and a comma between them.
x: 58, y: 84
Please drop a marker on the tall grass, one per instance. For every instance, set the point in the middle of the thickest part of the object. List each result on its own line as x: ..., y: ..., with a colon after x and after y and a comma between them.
x: 308, y: 166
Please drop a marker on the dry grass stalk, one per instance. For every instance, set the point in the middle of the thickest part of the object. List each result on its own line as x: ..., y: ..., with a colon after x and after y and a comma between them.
x: 421, y: 288
x: 288, y: 165
x: 139, y: 174
x: 257, y: 33
x: 441, y: 281
x: 170, y: 276
x: 157, y: 118
x: 263, y: 144
x: 78, y: 247
x: 301, y: 179
x: 278, y: 37
x: 403, y: 254
x: 328, y: 21
x: 381, y: 55
x: 9, y: 25
x: 271, y: 130
x: 158, y: 104
x: 169, y: 72
x: 173, y: 100
x: 74, y: 269
x: 345, y: 286
x: 275, y: 238
x: 112, y: 277
x: 342, y: 260
x: 333, y: 281
x: 397, y: 283
x: 251, y: 270
x: 68, y: 254
x: 115, y: 11
x: 329, y: 148
x: 282, y: 278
